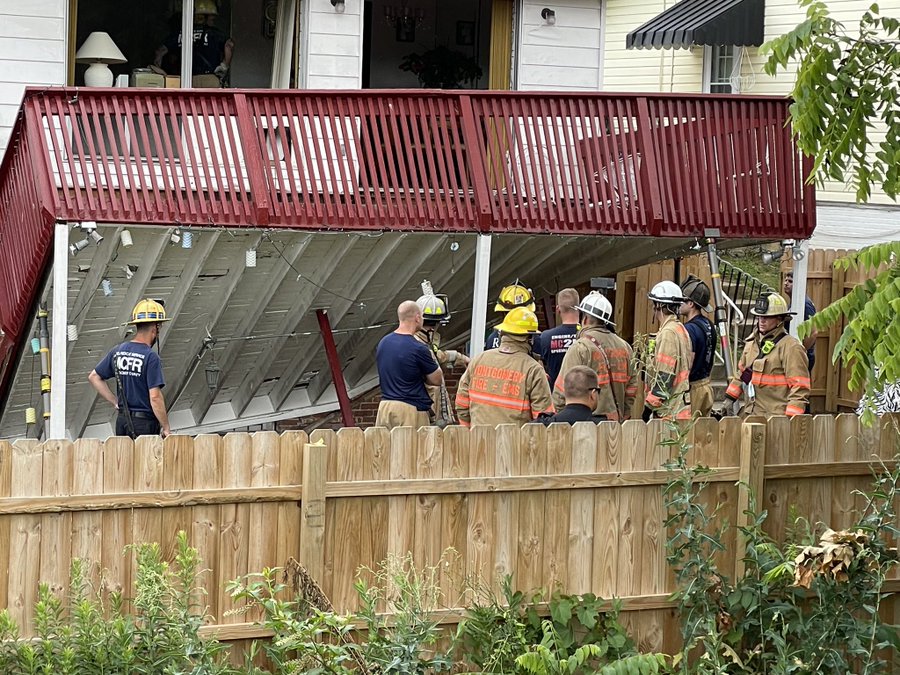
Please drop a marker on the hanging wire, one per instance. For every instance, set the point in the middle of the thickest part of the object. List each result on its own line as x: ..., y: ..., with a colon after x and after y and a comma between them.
x: 280, y: 252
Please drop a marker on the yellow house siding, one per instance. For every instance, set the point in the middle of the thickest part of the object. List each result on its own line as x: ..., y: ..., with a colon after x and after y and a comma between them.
x: 681, y: 70
x: 645, y: 69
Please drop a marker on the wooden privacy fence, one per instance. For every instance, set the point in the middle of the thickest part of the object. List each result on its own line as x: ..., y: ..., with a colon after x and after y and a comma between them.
x: 825, y: 284
x: 576, y: 508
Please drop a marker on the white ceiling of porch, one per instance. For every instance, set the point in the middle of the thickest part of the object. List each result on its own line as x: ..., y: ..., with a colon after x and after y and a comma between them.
x: 359, y: 279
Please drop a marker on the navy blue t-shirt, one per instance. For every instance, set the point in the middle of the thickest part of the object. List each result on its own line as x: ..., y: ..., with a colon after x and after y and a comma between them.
x: 140, y: 370
x: 493, y: 340
x: 403, y: 362
x: 703, y: 344
x: 209, y: 48
x: 553, y: 344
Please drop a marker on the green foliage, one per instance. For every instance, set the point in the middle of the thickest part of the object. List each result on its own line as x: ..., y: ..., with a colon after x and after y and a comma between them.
x: 848, y: 84
x: 497, y: 631
x: 84, y: 633
x: 549, y: 658
x: 407, y: 642
x: 804, y: 609
x: 870, y: 343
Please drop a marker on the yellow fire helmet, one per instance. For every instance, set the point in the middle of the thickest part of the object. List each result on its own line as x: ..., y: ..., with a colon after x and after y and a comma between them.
x: 148, y: 311
x: 514, y: 296
x: 771, y: 304
x: 206, y: 7
x: 519, y: 321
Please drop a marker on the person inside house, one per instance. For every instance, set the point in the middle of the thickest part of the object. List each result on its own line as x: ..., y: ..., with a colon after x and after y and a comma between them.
x: 212, y: 51
x: 138, y: 372
x: 772, y: 371
x: 554, y: 342
x: 405, y: 367
x: 581, y: 392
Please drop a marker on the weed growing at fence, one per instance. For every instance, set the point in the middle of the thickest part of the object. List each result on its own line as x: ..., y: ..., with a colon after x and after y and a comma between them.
x: 799, y: 608
x: 83, y: 633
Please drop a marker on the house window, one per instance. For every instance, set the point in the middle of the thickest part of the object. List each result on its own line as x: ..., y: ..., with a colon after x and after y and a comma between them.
x: 719, y: 63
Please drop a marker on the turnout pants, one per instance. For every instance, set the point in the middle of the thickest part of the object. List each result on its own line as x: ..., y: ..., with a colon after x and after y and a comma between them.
x: 399, y: 414
x: 701, y: 397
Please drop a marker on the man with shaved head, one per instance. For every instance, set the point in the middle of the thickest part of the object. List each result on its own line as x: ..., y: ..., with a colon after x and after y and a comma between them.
x: 580, y: 388
x: 405, y: 366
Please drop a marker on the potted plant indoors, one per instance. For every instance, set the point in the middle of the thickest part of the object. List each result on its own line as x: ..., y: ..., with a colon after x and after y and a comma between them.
x: 442, y: 68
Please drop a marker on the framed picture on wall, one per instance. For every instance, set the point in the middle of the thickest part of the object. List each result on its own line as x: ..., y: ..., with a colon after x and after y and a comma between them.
x: 465, y: 33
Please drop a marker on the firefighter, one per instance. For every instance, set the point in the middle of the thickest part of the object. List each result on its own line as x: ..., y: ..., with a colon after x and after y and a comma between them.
x: 436, y: 312
x: 139, y: 377
x: 505, y: 385
x: 774, y: 369
x: 703, y: 343
x: 608, y: 355
x: 666, y: 385
x: 511, y: 297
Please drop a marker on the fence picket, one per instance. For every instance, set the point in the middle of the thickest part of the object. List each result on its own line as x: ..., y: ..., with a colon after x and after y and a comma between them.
x: 557, y: 505
x: 87, y: 526
x: 118, y: 525
x: 207, y: 473
x: 25, y: 533
x: 532, y: 527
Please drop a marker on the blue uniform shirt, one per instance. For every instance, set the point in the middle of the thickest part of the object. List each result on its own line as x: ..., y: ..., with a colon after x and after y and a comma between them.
x: 809, y: 311
x: 140, y: 370
x: 493, y: 340
x: 553, y: 345
x: 403, y: 362
x: 703, y: 344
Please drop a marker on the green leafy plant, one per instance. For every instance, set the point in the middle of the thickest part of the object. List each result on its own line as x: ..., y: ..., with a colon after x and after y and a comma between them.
x: 870, y: 343
x: 81, y: 633
x: 846, y: 92
x: 441, y: 68
x: 805, y: 607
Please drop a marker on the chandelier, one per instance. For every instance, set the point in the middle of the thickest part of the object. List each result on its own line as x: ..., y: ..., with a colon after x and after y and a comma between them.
x: 403, y: 16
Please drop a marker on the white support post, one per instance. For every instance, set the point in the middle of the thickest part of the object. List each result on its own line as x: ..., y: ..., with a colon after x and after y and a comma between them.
x: 59, y: 317
x: 187, y: 43
x: 798, y: 296
x: 480, y: 293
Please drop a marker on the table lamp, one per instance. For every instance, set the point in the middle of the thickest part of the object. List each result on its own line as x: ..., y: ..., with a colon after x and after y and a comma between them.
x: 99, y: 50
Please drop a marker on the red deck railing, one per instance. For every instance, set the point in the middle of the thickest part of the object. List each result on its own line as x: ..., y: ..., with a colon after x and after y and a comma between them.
x: 607, y: 164
x: 414, y: 160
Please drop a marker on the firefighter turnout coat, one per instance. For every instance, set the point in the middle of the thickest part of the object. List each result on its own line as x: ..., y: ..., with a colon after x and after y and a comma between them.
x: 503, y: 386
x: 776, y: 367
x: 666, y: 380
x: 432, y: 340
x: 609, y: 356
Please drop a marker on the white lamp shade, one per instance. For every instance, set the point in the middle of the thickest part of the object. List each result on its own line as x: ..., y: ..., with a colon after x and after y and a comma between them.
x: 99, y: 48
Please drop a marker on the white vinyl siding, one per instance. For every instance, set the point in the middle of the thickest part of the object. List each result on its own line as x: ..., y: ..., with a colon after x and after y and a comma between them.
x: 562, y: 57
x: 33, y: 52
x: 332, y: 45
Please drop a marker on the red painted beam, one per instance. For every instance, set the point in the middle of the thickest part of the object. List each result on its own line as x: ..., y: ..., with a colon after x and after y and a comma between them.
x: 334, y: 362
